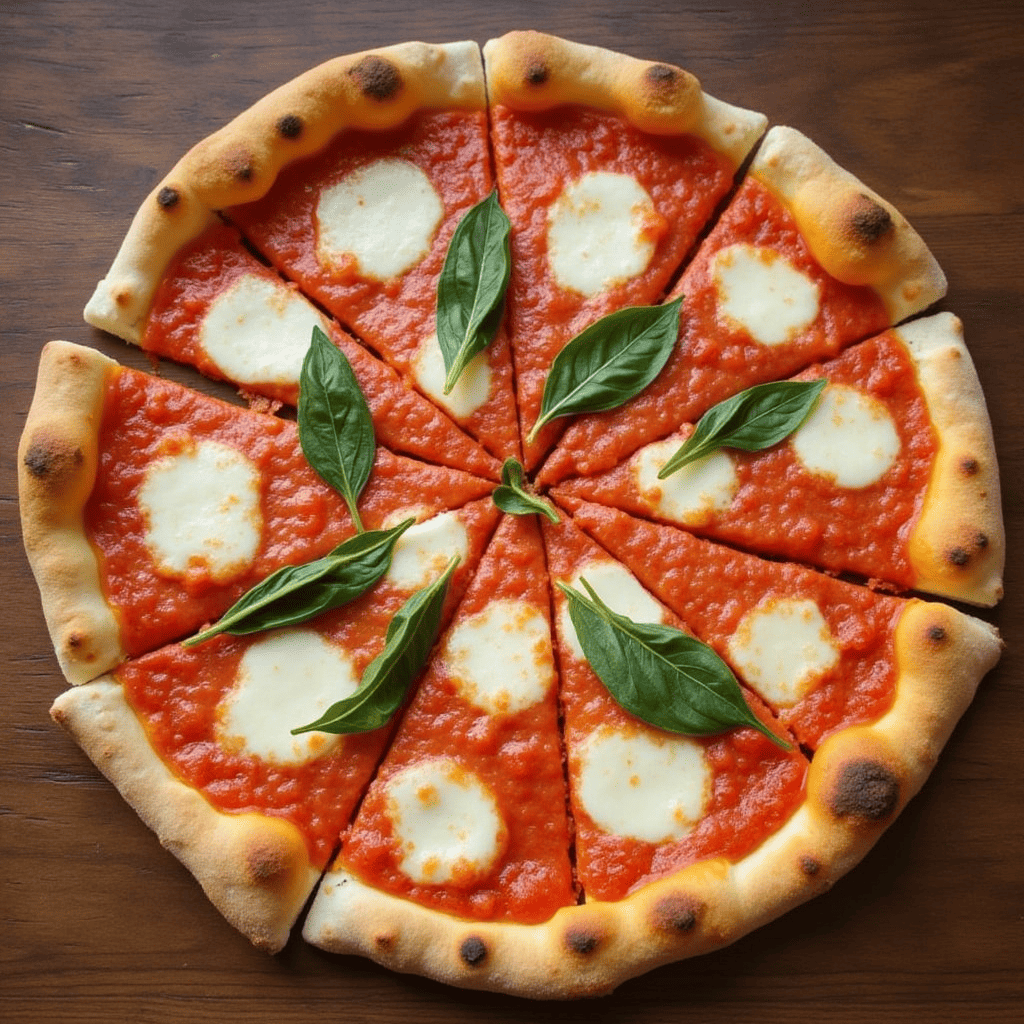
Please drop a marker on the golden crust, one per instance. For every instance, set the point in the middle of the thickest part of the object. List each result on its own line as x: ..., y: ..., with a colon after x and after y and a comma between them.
x: 255, y: 869
x: 57, y: 460
x: 532, y: 71
x: 958, y: 544
x: 373, y: 90
x: 854, y: 234
x: 859, y: 781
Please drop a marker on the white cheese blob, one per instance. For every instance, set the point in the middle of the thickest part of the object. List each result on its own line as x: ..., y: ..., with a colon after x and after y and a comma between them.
x: 782, y: 649
x: 764, y: 293
x: 643, y: 784
x: 202, y: 511
x: 384, y: 214
x: 446, y: 821
x: 501, y: 658
x: 287, y: 678
x: 850, y: 437
x: 259, y: 330
x: 423, y: 552
x: 599, y: 232
x: 619, y: 589
x: 472, y: 388
x: 693, y: 493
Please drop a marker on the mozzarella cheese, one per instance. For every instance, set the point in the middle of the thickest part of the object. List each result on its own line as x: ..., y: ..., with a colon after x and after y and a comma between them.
x: 202, y: 511
x: 602, y: 230
x: 850, y: 437
x: 285, y: 679
x: 258, y: 331
x: 446, y: 822
x: 501, y: 659
x: 692, y: 494
x: 643, y: 784
x: 384, y: 214
x: 471, y: 389
x: 619, y: 589
x: 423, y: 552
x: 764, y: 293
x: 783, y: 648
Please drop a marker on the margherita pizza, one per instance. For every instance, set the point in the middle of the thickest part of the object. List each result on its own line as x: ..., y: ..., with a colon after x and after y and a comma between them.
x: 665, y: 681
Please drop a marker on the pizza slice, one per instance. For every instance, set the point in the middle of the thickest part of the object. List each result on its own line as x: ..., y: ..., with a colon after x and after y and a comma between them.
x: 462, y: 839
x: 804, y: 261
x: 363, y: 222
x: 198, y: 739
x: 608, y: 169
x: 893, y: 476
x: 148, y: 508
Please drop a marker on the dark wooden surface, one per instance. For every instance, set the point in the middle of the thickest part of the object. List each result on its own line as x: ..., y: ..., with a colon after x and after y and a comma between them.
x: 97, y: 99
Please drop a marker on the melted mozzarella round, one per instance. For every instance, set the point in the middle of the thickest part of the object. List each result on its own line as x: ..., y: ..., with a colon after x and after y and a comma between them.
x: 472, y: 388
x: 446, y: 822
x: 285, y: 679
x: 600, y: 232
x: 783, y: 648
x: 764, y: 293
x: 501, y: 659
x: 643, y: 784
x: 385, y: 215
x: 619, y: 589
x: 692, y: 494
x: 258, y: 331
x: 423, y: 552
x: 202, y: 511
x: 850, y: 437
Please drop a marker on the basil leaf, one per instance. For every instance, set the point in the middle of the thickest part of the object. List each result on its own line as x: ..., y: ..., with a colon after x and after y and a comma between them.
x: 752, y: 420
x: 660, y: 674
x: 610, y: 362
x: 472, y: 286
x: 410, y: 636
x: 335, y: 427
x: 296, y: 593
x: 511, y: 495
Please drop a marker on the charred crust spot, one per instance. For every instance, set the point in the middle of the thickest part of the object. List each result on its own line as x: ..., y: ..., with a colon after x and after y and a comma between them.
x: 75, y: 641
x: 243, y: 172
x: 47, y: 460
x: 959, y: 556
x: 377, y: 78
x: 167, y: 198
x: 969, y: 466
x: 473, y: 950
x: 936, y: 634
x: 537, y: 73
x: 981, y: 540
x: 265, y: 863
x: 865, y: 789
x: 289, y: 126
x: 384, y: 941
x: 582, y: 940
x: 676, y: 913
x: 661, y: 76
x: 810, y: 866
x: 870, y: 221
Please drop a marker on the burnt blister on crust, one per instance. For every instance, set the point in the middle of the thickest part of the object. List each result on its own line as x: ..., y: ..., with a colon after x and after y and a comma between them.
x: 168, y: 197
x: 870, y: 221
x: 810, y: 866
x: 377, y: 78
x: 677, y: 913
x: 865, y: 789
x: 50, y: 460
x: 473, y: 951
x: 289, y: 126
x: 937, y: 634
x: 969, y: 466
x: 582, y: 940
x: 537, y: 72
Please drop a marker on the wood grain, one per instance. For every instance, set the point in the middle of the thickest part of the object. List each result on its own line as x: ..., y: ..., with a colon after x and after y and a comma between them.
x: 922, y: 100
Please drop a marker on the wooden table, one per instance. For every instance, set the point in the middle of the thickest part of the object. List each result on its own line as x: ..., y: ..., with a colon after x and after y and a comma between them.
x: 97, y: 99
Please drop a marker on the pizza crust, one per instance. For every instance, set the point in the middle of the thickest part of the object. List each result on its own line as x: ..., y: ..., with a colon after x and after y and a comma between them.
x: 856, y: 235
x: 57, y: 460
x: 254, y: 868
x: 375, y: 90
x: 958, y: 544
x: 531, y: 71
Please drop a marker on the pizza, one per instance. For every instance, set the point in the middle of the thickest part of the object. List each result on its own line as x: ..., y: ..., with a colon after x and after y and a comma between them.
x: 587, y: 641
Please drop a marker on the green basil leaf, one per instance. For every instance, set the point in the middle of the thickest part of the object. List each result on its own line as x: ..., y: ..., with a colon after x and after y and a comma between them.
x: 471, y: 288
x: 410, y: 636
x: 335, y: 426
x: 660, y: 674
x: 610, y: 362
x: 511, y: 495
x: 296, y: 593
x: 752, y: 420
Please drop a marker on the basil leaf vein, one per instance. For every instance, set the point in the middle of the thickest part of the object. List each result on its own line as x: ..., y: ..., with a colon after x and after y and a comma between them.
x: 409, y: 639
x: 610, y: 362
x: 471, y: 288
x: 752, y: 420
x: 662, y: 675
x: 511, y: 495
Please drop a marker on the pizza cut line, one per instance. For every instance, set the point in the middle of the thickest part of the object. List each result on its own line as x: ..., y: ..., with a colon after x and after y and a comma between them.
x: 513, y: 827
